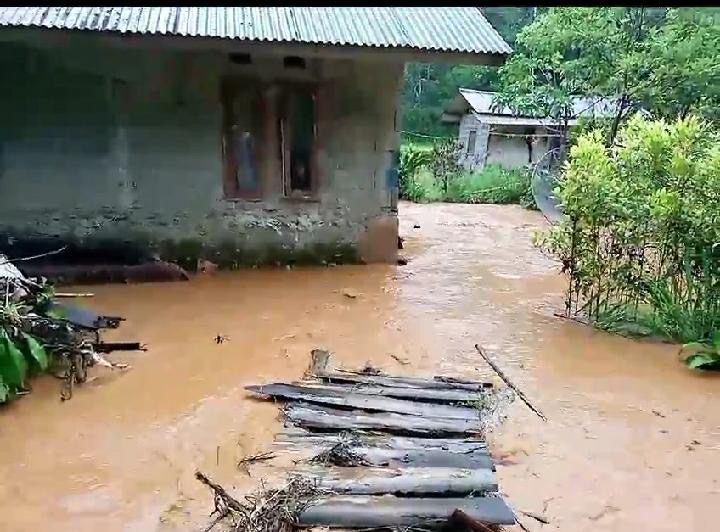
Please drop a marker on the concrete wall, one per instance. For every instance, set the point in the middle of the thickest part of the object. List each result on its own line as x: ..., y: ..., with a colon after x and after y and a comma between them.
x: 512, y: 151
x: 117, y: 147
x: 495, y: 144
x: 473, y: 159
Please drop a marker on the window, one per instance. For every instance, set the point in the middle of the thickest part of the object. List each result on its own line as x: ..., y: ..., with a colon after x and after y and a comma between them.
x: 472, y: 138
x: 298, y: 133
x: 251, y: 137
x: 242, y: 128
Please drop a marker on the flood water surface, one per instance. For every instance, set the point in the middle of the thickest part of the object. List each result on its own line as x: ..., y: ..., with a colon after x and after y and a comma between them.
x: 632, y: 442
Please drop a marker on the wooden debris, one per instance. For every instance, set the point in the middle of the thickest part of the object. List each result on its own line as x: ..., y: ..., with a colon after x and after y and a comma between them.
x: 322, y: 418
x: 295, y: 436
x: 109, y: 347
x: 510, y: 384
x: 386, y: 452
x: 423, y: 395
x: 221, y: 495
x: 434, y: 481
x: 260, y: 457
x: 403, y: 382
x: 365, y: 402
x: 375, y: 512
x: 319, y: 360
x: 466, y: 522
x: 540, y: 518
x: 479, y: 459
x: 402, y: 361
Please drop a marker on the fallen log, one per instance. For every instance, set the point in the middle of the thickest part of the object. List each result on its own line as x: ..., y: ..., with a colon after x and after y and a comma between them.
x: 348, y: 399
x: 425, y: 395
x: 327, y: 419
x: 375, y: 512
x: 434, y: 481
x: 440, y: 458
x: 403, y: 382
x: 295, y: 436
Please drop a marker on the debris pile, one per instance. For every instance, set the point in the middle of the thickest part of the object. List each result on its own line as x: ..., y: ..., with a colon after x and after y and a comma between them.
x: 38, y: 334
x: 384, y: 451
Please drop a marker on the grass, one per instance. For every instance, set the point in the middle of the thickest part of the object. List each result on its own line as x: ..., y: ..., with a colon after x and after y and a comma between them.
x: 492, y: 184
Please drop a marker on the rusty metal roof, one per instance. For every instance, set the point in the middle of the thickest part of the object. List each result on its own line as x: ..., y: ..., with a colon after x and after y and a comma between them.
x: 439, y: 29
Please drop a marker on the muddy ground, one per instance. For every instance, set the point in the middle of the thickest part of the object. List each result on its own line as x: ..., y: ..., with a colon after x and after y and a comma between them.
x: 632, y: 442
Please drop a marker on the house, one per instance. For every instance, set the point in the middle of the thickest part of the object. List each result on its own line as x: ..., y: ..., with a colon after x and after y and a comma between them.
x: 240, y: 135
x: 488, y: 135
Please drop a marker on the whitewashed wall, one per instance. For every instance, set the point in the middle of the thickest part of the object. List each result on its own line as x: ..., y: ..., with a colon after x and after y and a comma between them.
x: 494, y: 144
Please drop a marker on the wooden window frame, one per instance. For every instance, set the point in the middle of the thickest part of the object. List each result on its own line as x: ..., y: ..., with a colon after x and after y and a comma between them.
x: 472, y: 134
x: 284, y: 134
x: 231, y: 189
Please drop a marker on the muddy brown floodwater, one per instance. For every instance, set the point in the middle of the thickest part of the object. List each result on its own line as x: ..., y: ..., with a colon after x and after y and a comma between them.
x: 632, y: 442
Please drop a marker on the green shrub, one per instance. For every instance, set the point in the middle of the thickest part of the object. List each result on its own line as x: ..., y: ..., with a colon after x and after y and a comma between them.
x: 412, y: 158
x: 642, y: 227
x: 423, y: 188
x: 492, y: 184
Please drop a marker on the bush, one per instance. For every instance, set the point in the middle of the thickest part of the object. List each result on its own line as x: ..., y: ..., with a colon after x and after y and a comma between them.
x: 412, y: 158
x: 430, y: 172
x: 492, y: 184
x: 641, y: 236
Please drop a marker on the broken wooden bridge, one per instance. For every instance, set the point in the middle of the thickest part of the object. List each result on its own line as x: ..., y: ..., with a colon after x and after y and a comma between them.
x: 390, y: 451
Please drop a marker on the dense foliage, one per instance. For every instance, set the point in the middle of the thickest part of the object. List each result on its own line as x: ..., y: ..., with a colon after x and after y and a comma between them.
x: 641, y: 237
x: 429, y: 86
x: 429, y: 172
x: 662, y: 60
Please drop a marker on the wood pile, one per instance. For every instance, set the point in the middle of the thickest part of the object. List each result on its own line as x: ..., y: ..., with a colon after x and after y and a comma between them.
x: 390, y: 451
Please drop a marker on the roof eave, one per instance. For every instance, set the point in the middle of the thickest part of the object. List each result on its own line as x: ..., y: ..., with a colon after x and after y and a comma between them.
x: 179, y: 42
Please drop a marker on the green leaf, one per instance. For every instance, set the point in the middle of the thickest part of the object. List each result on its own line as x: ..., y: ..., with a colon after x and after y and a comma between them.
x: 56, y: 312
x: 35, y: 351
x: 716, y: 340
x: 702, y: 360
x: 693, y: 348
x: 13, y: 367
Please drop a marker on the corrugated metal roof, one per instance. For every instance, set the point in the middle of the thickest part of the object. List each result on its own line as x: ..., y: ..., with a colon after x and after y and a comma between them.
x: 481, y: 103
x: 442, y: 29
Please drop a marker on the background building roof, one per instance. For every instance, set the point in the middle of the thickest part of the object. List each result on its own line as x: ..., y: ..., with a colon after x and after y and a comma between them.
x: 480, y: 103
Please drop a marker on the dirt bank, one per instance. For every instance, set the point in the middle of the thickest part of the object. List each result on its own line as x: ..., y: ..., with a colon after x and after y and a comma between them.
x: 617, y: 454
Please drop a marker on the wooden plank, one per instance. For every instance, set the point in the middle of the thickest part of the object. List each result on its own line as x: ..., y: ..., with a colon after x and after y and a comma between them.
x: 428, y: 395
x: 440, y: 458
x: 320, y: 418
x: 296, y: 435
x: 416, y: 481
x: 405, y: 382
x: 340, y: 398
x: 372, y: 512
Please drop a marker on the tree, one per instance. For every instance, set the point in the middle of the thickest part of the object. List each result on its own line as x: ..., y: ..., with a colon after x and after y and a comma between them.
x: 429, y: 86
x: 664, y: 61
x: 685, y: 70
x: 572, y: 52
